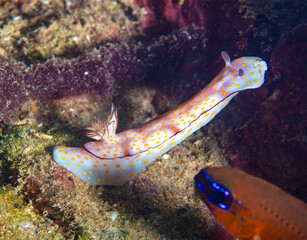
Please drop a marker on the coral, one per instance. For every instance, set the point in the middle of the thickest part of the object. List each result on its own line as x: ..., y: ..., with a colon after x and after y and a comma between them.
x: 100, y: 71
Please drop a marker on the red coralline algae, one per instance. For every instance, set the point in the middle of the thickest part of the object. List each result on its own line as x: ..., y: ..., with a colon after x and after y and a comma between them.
x: 100, y: 71
x: 273, y: 144
x: 224, y: 21
x: 164, y: 15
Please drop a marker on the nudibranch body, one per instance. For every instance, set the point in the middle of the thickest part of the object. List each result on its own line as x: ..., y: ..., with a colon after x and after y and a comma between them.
x: 116, y: 158
x: 251, y: 208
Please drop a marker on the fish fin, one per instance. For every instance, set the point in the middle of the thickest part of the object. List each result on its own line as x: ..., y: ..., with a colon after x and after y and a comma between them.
x: 256, y: 237
x: 100, y: 130
x: 226, y: 58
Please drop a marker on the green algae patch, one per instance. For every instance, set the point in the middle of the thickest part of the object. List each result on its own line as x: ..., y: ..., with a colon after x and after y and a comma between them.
x: 29, y: 200
x: 12, y: 209
x: 22, y: 148
x: 19, y: 221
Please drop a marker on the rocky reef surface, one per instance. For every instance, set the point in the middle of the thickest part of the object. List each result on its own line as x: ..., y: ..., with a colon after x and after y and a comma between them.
x: 62, y: 63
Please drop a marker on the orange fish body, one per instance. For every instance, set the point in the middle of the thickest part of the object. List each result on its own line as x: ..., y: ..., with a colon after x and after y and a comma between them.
x: 251, y: 208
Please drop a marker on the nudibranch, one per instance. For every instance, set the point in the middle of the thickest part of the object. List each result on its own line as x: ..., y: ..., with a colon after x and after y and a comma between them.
x: 251, y: 208
x: 114, y: 158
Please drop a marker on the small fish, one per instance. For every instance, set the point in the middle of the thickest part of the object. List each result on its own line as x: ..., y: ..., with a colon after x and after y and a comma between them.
x: 114, y: 158
x: 251, y: 208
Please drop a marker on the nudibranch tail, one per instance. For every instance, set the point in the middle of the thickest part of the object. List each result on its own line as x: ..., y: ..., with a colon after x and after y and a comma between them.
x: 116, y: 158
x: 92, y: 169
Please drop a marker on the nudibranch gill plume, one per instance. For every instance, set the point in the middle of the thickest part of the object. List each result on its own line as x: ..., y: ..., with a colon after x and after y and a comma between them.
x: 114, y: 158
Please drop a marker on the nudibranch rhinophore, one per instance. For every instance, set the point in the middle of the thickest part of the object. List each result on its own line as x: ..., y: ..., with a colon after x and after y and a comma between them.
x: 251, y: 208
x: 115, y: 158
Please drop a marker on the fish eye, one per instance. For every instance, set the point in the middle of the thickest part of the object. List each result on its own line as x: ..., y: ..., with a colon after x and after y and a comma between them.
x: 214, y: 192
x: 241, y: 72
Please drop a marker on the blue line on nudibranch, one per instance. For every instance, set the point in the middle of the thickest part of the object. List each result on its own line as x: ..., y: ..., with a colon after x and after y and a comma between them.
x: 115, y: 158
